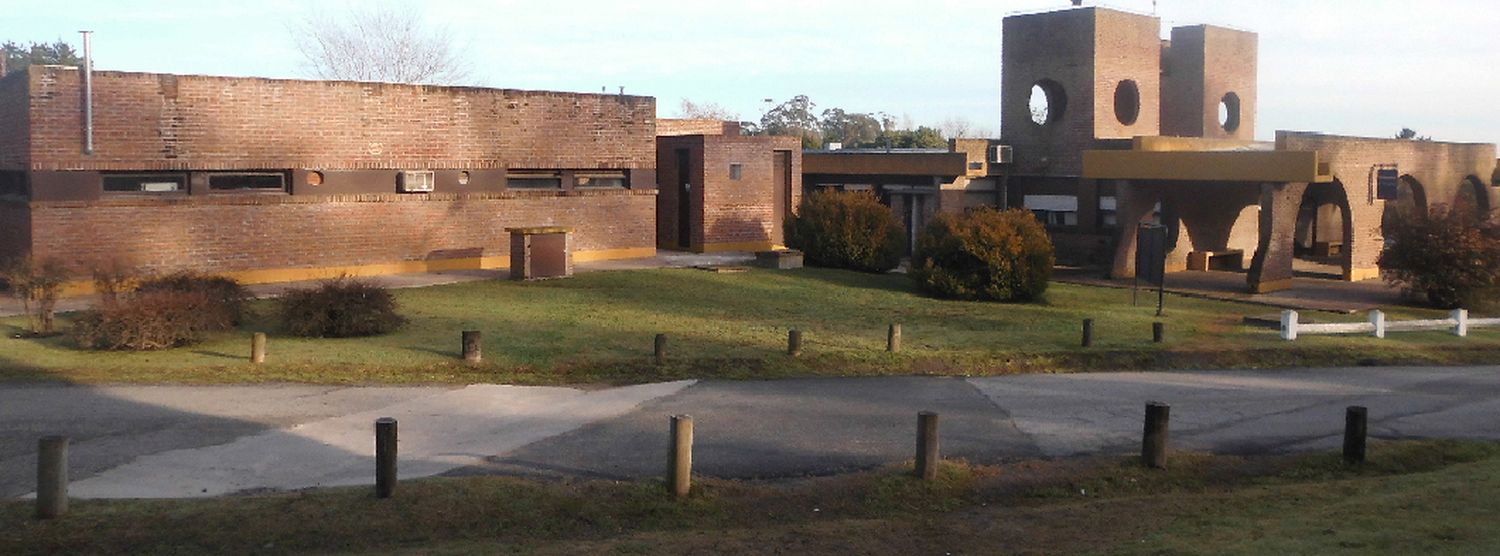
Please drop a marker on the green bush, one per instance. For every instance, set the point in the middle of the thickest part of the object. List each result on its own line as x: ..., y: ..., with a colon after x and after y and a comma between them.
x: 1448, y: 256
x: 340, y: 308
x: 158, y: 313
x: 847, y: 230
x: 984, y: 254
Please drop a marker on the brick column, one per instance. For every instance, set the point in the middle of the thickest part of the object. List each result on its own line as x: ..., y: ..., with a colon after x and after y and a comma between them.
x: 1271, y: 269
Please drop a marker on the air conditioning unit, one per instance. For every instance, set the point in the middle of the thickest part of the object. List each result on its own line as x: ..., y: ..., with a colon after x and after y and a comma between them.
x: 1002, y: 154
x: 415, y: 181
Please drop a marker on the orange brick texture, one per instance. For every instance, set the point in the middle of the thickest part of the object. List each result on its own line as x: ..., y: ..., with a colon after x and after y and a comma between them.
x: 167, y: 122
x: 725, y: 211
x: 232, y: 233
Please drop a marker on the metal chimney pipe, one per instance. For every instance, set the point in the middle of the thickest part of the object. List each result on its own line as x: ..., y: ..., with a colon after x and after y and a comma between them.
x: 88, y: 93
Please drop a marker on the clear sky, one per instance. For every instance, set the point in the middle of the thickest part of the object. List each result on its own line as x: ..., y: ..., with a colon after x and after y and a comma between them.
x: 1365, y: 67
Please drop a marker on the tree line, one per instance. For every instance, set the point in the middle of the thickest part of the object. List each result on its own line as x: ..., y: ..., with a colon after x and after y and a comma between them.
x: 799, y: 117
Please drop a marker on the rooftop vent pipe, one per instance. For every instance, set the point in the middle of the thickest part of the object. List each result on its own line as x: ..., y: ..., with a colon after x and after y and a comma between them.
x: 88, y: 93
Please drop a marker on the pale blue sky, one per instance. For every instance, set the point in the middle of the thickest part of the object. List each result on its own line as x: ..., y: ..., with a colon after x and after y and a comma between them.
x: 1366, y: 67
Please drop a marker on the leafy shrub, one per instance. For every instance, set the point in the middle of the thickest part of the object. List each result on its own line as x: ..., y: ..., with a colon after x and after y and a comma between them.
x: 38, y: 284
x: 1448, y: 256
x: 160, y: 312
x: 984, y: 254
x: 847, y: 230
x: 340, y: 308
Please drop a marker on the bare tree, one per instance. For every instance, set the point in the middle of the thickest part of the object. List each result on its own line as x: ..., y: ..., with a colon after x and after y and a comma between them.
x: 375, y: 42
x: 956, y: 128
x: 706, y: 111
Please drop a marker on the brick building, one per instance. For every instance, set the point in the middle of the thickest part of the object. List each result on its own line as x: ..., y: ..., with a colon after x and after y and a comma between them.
x: 1111, y: 126
x: 723, y: 191
x: 269, y: 179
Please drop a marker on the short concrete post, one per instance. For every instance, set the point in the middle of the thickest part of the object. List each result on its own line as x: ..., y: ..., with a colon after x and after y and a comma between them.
x: 893, y: 338
x: 258, y: 348
x: 385, y: 457
x: 1154, y: 441
x: 659, y: 349
x: 52, y: 477
x: 473, y: 344
x: 1288, y: 325
x: 1158, y: 332
x: 680, y: 456
x: 1354, y: 434
x: 1460, y: 322
x: 927, y: 445
x: 1377, y: 318
x: 794, y: 342
x: 1088, y: 332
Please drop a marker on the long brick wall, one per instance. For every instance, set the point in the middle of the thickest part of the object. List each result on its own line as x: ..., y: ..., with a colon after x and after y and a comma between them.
x: 246, y: 233
x: 157, y: 121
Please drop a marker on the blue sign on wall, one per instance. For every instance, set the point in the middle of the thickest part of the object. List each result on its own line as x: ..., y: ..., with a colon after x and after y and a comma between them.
x: 1387, y: 184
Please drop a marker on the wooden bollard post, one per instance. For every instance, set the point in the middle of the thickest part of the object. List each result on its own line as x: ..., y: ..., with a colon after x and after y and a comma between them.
x: 473, y: 342
x: 893, y: 338
x: 1088, y: 332
x: 258, y: 348
x: 794, y: 342
x: 1158, y: 332
x: 1154, y: 441
x: 385, y: 457
x: 1354, y: 434
x: 927, y: 445
x: 659, y: 351
x: 52, y: 477
x: 680, y: 456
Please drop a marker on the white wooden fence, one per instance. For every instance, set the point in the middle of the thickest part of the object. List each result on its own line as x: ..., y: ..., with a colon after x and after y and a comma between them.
x: 1458, y: 321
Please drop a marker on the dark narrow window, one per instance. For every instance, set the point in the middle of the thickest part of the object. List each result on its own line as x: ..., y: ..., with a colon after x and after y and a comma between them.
x: 600, y: 179
x: 247, y: 181
x: 145, y: 183
x: 736, y: 171
x: 533, y: 179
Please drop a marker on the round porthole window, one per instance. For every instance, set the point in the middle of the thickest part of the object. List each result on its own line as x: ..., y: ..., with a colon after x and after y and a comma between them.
x: 314, y: 178
x: 1127, y: 102
x: 1229, y: 112
x: 1048, y: 102
x: 463, y: 178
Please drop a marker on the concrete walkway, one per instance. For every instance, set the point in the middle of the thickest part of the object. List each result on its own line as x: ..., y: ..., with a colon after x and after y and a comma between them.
x: 200, y: 441
x: 10, y: 307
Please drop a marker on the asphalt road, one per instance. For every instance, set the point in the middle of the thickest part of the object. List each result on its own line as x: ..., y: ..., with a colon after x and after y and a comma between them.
x: 198, y: 441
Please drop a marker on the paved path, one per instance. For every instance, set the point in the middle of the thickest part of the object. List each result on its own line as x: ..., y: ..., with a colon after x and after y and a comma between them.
x: 198, y: 441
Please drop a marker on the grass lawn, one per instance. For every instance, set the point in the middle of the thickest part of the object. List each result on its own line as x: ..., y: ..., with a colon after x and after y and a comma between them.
x: 1411, y: 498
x: 598, y: 328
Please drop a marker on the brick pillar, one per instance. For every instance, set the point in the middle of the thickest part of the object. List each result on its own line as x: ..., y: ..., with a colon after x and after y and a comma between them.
x: 1088, y: 206
x: 1271, y: 269
x: 1133, y: 203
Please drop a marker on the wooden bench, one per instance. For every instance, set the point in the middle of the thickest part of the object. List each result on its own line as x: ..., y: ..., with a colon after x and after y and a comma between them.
x: 1223, y: 259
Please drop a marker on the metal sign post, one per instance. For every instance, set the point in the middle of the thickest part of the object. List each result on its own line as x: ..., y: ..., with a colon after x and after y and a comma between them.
x: 1151, y: 260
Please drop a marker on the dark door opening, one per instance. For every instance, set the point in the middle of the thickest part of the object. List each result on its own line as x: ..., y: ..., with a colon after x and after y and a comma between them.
x: 782, y: 195
x: 684, y: 201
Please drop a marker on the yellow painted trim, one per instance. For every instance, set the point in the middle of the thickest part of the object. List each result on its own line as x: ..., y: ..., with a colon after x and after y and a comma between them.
x: 741, y: 246
x: 274, y: 275
x: 1269, y: 286
x: 1358, y: 274
x: 1248, y: 166
x: 1169, y: 144
x: 613, y: 254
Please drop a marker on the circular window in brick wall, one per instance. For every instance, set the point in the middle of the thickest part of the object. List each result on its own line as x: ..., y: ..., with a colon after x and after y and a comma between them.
x: 463, y: 178
x: 1048, y: 102
x: 1127, y: 102
x: 314, y: 178
x: 1229, y: 112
